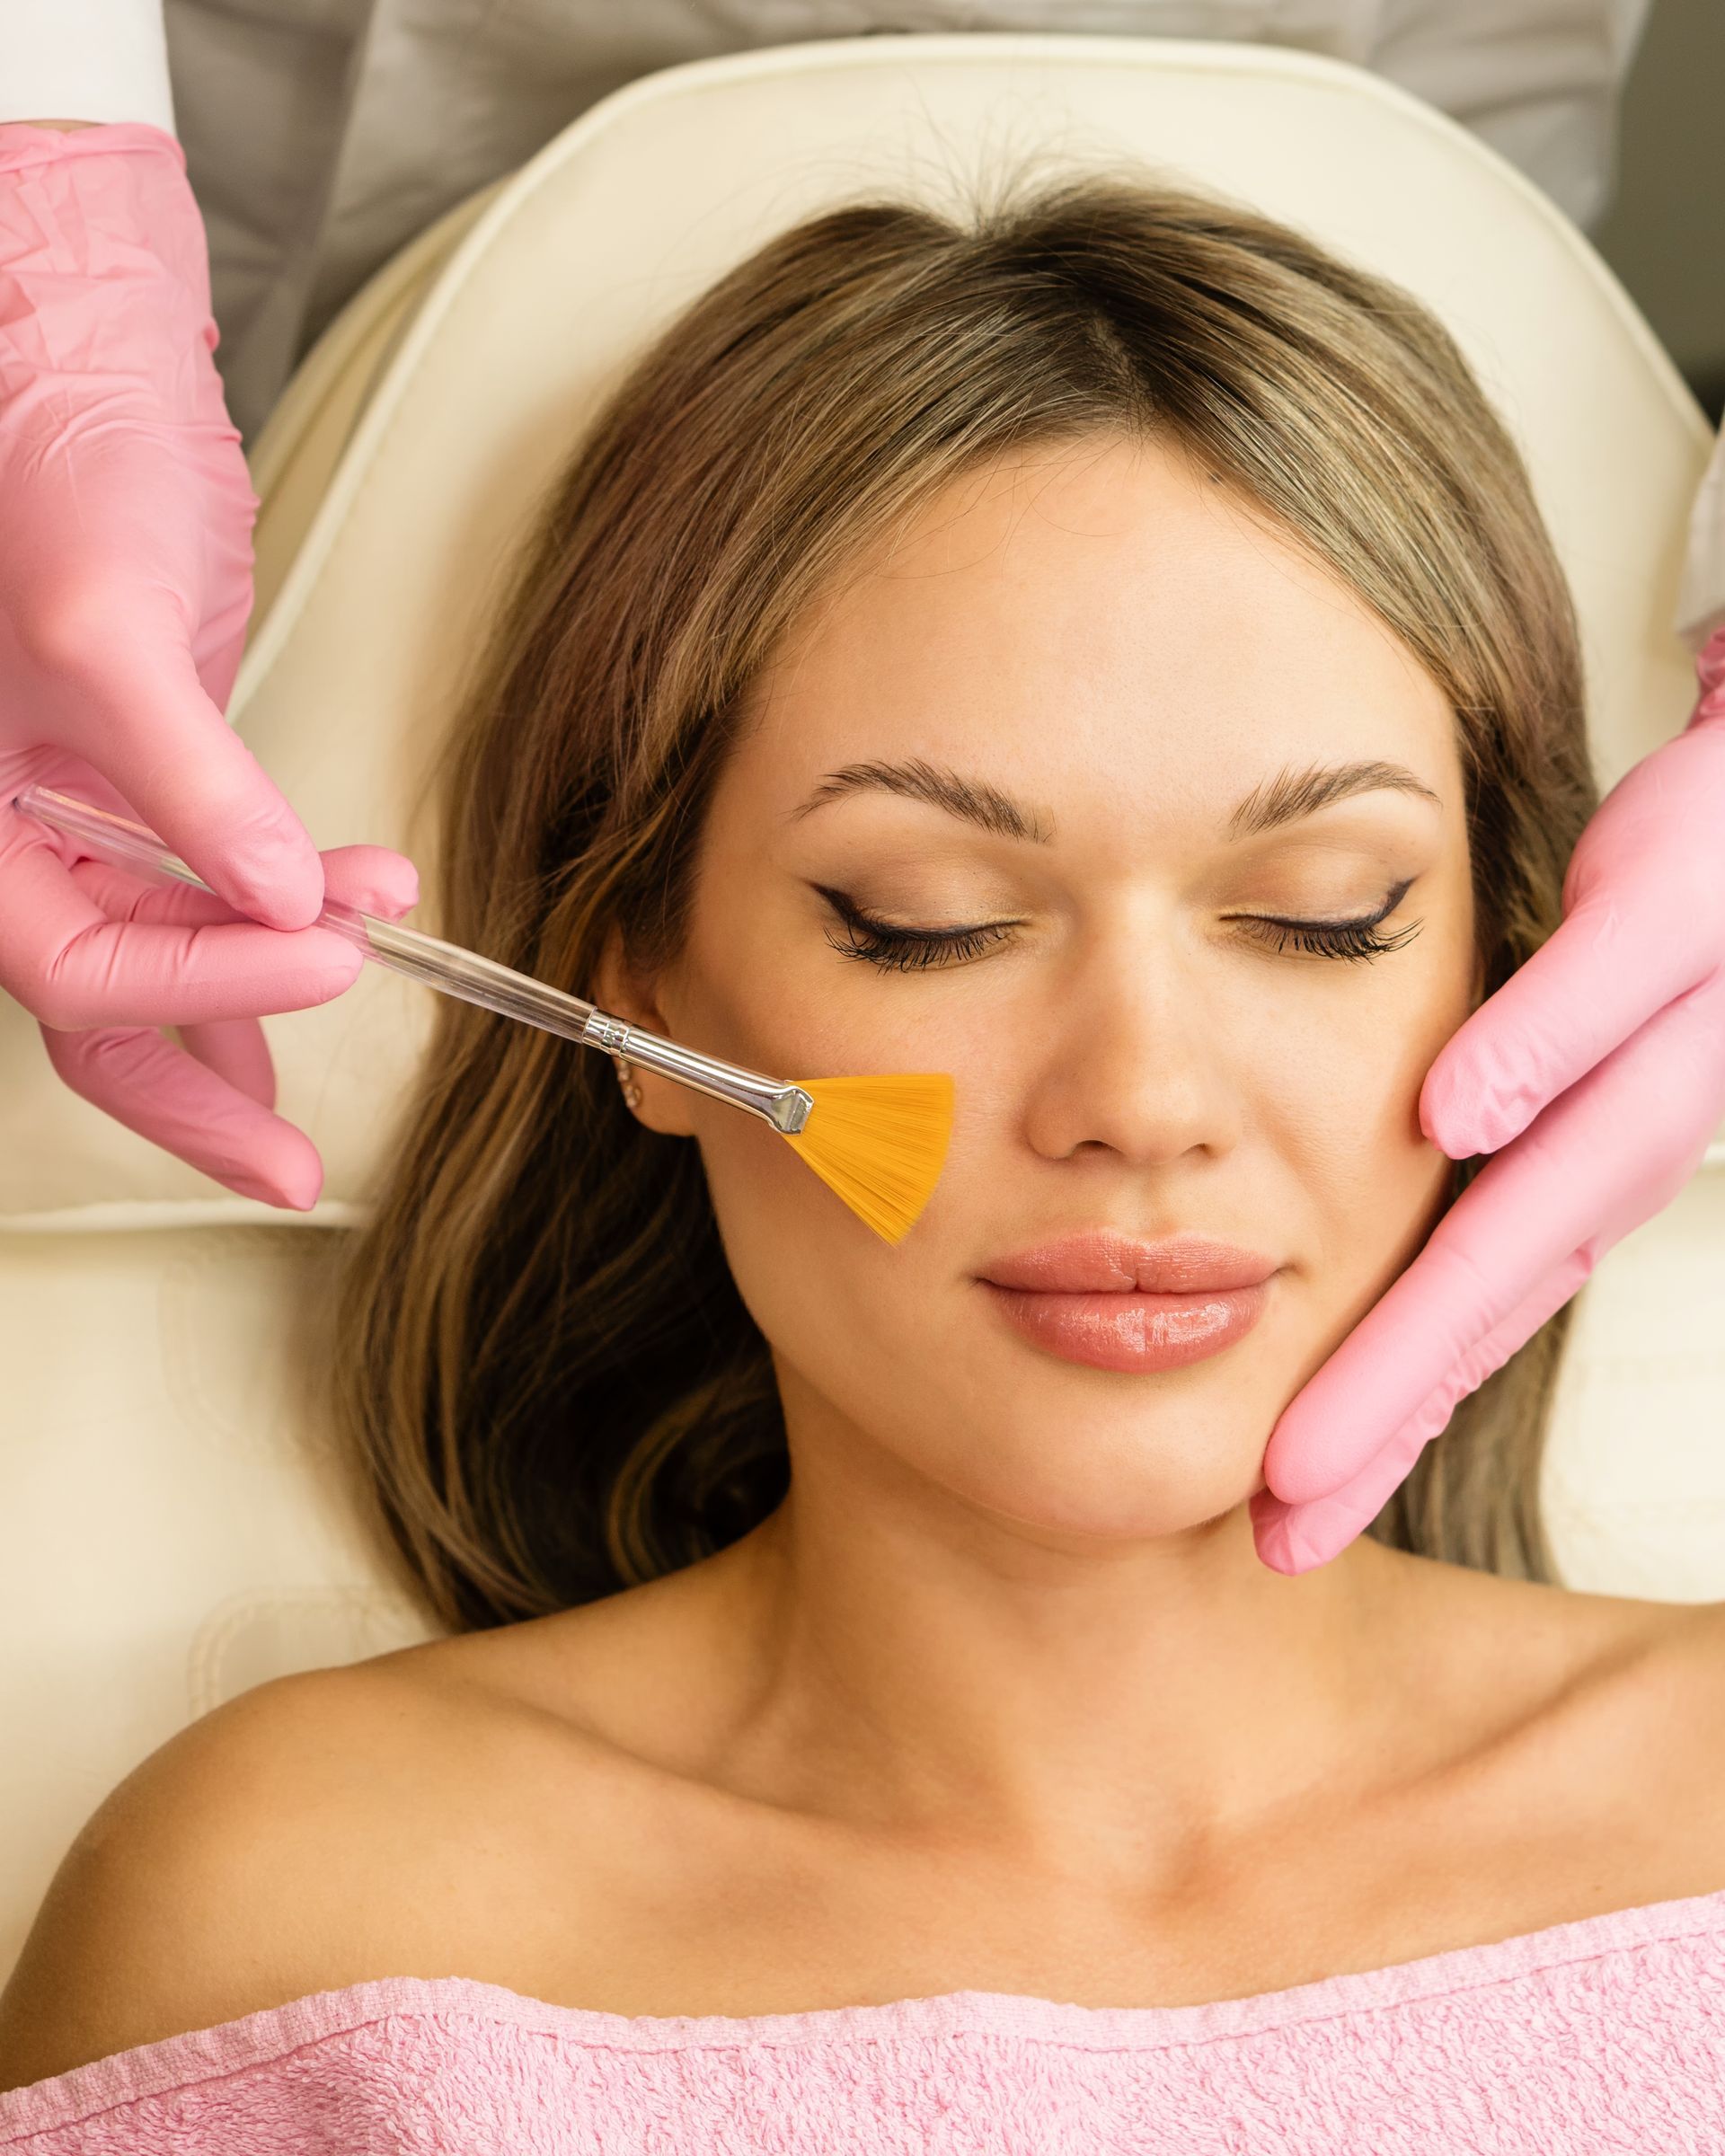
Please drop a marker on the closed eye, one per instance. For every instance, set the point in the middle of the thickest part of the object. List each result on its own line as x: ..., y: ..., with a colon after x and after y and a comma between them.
x: 1356, y: 937
x: 901, y: 950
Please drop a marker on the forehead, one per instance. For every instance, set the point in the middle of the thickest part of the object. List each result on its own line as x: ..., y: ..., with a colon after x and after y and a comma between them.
x: 1095, y: 625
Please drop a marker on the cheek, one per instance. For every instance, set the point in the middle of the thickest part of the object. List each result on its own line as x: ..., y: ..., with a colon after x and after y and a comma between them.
x: 1342, y: 1100
x: 836, y: 1301
x: 858, y: 1326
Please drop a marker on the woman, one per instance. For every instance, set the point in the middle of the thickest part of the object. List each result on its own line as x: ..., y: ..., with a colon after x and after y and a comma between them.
x: 1107, y: 651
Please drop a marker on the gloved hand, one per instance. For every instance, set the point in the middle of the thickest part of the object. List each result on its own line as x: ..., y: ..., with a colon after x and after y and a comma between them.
x: 126, y: 518
x: 209, y: 1099
x: 1596, y: 1076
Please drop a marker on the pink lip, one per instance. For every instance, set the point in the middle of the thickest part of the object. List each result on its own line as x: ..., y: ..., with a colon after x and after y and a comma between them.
x: 1117, y: 1303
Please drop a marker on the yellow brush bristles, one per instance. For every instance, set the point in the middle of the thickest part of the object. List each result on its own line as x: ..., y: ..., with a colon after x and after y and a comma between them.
x: 878, y: 1143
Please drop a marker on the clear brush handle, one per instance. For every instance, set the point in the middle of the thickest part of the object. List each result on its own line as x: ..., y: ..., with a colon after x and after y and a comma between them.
x: 450, y: 970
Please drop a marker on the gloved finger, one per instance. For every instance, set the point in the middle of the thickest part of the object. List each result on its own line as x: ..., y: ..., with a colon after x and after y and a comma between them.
x: 123, y: 895
x: 1596, y: 981
x: 74, y: 968
x: 177, y: 1101
x: 139, y: 713
x: 372, y: 879
x: 1605, y: 1155
x: 1293, y: 1537
x: 236, y: 1049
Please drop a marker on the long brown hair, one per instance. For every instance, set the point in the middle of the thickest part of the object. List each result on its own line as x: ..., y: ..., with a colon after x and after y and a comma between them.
x: 552, y: 1384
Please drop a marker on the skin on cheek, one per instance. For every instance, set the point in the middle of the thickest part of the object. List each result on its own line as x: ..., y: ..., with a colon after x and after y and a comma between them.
x: 775, y: 1215
x: 1352, y: 1094
x: 864, y: 1328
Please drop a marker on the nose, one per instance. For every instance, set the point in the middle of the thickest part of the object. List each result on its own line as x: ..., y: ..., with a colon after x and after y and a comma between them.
x: 1135, y: 1065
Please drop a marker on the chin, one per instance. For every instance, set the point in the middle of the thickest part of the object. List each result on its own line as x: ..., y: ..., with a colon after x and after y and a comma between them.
x: 1107, y: 1472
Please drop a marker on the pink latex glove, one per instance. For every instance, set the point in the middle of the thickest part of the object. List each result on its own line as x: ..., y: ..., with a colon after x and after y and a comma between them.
x: 126, y: 515
x: 1596, y: 1076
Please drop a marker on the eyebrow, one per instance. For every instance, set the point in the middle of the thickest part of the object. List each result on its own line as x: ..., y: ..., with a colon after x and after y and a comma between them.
x: 1291, y: 795
x: 972, y: 799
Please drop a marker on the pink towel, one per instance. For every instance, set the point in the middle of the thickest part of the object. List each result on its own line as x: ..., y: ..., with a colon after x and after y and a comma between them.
x: 1604, y: 2035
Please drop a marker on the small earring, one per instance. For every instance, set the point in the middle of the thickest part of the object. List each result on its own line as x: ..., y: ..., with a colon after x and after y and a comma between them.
x: 626, y: 1080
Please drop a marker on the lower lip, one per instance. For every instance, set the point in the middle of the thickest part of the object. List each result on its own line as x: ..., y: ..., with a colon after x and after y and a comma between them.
x: 1132, y: 1331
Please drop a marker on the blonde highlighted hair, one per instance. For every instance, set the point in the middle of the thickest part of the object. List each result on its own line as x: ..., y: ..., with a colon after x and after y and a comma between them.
x: 551, y: 1385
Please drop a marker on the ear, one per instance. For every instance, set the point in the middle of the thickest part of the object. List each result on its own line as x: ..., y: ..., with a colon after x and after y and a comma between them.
x: 619, y: 988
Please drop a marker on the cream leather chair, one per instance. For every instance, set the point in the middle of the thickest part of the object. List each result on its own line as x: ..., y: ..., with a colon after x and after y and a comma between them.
x: 172, y: 1528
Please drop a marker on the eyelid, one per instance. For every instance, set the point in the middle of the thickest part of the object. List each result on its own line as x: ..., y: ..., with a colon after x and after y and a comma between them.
x: 1385, y: 906
x: 852, y: 915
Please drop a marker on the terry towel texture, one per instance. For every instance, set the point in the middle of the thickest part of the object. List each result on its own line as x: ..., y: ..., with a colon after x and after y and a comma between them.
x: 1600, y: 2036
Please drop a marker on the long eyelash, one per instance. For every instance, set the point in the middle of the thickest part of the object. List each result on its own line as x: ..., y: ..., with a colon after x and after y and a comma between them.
x: 906, y: 950
x: 1353, y: 940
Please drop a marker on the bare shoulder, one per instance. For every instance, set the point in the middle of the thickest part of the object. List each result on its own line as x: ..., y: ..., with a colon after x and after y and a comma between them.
x: 1577, y: 1741
x: 1658, y: 1742
x: 1679, y: 1676
x: 1633, y: 1701
x: 246, y: 1862
x: 1517, y: 1655
x: 501, y: 1806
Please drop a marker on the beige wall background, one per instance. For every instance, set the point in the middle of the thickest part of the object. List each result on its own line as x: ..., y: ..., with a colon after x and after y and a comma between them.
x: 1664, y: 234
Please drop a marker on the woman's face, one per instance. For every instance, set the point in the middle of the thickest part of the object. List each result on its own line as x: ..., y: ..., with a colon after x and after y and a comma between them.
x: 1092, y: 793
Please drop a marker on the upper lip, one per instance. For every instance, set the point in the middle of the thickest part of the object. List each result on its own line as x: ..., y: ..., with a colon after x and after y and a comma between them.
x: 1101, y: 1260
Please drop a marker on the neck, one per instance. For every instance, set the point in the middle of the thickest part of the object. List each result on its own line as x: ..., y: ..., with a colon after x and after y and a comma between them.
x: 912, y: 1661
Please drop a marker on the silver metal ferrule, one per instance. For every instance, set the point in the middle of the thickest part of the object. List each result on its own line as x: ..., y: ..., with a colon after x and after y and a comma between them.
x: 787, y: 1108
